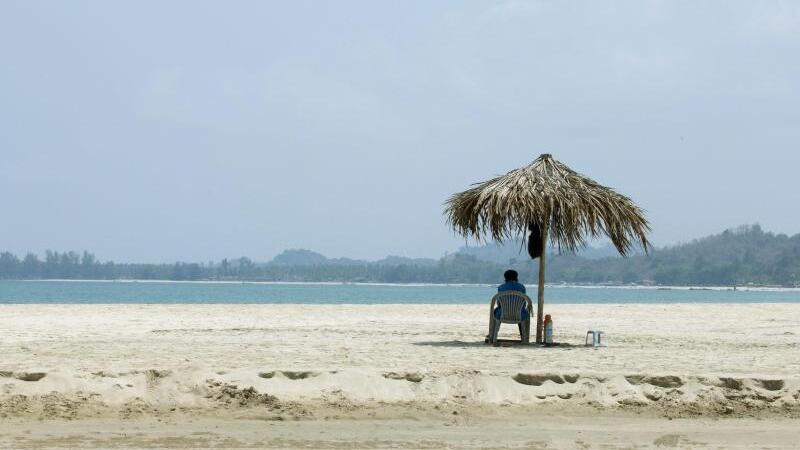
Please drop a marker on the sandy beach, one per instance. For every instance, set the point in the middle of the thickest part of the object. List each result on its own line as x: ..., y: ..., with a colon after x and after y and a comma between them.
x: 388, y: 376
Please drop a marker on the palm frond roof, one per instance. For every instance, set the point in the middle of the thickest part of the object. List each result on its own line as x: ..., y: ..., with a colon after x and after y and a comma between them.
x: 570, y: 206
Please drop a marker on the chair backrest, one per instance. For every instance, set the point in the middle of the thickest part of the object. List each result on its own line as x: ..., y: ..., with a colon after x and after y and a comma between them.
x: 511, y: 304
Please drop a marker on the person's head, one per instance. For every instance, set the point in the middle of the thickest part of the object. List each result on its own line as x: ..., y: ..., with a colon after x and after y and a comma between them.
x: 511, y: 275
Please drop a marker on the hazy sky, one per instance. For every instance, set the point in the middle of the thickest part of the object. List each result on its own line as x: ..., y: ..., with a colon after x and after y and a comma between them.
x: 156, y: 131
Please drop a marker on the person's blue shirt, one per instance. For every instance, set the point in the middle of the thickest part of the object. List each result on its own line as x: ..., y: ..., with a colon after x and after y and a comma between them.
x: 511, y: 286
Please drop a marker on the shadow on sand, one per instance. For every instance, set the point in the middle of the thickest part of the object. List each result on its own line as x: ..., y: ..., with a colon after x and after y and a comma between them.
x: 463, y: 344
x: 501, y: 343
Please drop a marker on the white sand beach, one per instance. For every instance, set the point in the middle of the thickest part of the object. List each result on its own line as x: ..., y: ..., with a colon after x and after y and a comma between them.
x: 381, y: 376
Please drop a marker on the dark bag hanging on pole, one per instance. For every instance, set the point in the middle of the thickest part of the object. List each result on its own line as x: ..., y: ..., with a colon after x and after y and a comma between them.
x: 535, y: 241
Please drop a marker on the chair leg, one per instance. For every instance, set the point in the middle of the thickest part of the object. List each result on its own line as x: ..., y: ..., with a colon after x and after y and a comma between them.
x: 491, y: 329
x: 495, y: 331
x: 525, y: 331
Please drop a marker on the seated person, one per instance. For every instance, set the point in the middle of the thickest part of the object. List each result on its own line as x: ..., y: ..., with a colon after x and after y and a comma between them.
x: 512, y: 284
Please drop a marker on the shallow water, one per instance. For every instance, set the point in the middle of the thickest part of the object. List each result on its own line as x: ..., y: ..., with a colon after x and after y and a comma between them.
x: 319, y: 293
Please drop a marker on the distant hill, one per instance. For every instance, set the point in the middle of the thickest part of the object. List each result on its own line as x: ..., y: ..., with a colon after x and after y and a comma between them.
x: 402, y: 260
x: 508, y: 252
x: 738, y: 256
x: 743, y: 255
x: 303, y: 257
x: 299, y: 257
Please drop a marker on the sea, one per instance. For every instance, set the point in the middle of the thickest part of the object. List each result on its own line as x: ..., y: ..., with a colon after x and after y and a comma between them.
x: 171, y: 292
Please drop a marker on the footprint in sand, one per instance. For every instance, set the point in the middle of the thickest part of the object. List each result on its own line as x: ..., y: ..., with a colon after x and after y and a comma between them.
x: 413, y: 377
x: 668, y: 440
x: 23, y: 376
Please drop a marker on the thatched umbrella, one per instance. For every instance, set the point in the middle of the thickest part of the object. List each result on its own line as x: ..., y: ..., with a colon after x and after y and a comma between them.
x: 564, y: 205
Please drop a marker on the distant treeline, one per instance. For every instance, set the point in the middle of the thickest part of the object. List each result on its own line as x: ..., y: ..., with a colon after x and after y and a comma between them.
x: 735, y: 257
x: 74, y: 266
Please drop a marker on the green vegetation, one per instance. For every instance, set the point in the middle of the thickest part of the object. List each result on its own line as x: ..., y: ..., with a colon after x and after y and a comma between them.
x: 735, y: 257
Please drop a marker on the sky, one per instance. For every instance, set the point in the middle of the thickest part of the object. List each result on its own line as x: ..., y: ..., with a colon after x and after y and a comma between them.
x: 194, y: 130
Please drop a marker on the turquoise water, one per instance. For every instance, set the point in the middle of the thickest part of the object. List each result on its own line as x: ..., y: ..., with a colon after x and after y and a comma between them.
x: 175, y: 292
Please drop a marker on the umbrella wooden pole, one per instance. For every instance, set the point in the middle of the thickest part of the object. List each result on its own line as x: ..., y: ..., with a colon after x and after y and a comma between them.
x: 540, y: 306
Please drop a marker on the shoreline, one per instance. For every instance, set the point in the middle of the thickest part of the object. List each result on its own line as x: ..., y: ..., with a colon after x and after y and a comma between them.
x: 745, y: 288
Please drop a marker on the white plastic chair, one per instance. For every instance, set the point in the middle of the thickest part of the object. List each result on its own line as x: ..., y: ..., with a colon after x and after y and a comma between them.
x: 511, y: 304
